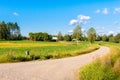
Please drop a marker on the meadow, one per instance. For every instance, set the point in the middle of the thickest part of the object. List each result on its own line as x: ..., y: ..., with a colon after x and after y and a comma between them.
x: 105, y: 68
x: 14, y: 51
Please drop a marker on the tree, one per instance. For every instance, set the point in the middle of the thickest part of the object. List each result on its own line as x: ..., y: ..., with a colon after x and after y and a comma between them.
x: 14, y: 30
x: 77, y: 33
x: 4, y: 31
x: 104, y: 38
x: 46, y: 36
x: 40, y: 36
x: 98, y: 38
x: 9, y: 31
x: 117, y: 38
x: 59, y: 36
x: 67, y: 37
x: 91, y: 34
x: 111, y: 38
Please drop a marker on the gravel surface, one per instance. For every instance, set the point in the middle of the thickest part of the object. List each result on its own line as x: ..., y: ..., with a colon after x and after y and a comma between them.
x: 58, y: 69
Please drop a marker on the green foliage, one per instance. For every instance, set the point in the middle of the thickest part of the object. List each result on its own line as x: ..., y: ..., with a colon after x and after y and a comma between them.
x: 42, y: 50
x: 99, y: 38
x: 91, y: 34
x: 77, y: 33
x: 96, y: 71
x: 40, y: 36
x: 9, y: 31
x: 117, y: 38
x: 59, y: 36
x: 111, y: 39
x: 104, y: 38
x: 105, y: 68
x: 67, y: 37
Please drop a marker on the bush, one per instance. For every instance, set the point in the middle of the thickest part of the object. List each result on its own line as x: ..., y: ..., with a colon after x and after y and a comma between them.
x: 48, y: 56
x: 22, y: 58
x: 34, y: 57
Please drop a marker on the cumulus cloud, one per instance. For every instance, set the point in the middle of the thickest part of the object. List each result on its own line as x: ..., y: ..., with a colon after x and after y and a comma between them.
x: 81, y: 19
x: 15, y: 14
x: 111, y: 32
x: 105, y: 11
x: 117, y: 10
x: 83, y: 29
x: 73, y: 22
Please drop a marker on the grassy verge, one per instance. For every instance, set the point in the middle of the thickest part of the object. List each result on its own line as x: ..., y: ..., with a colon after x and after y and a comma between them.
x: 105, y: 68
x: 15, y: 51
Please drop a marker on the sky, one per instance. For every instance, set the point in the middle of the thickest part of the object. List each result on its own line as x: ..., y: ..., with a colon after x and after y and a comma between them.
x: 53, y: 16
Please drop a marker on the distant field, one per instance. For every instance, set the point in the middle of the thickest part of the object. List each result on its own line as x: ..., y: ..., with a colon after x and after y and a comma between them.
x: 14, y: 51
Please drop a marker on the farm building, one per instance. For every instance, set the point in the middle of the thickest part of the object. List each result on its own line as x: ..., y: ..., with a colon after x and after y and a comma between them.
x: 54, y: 39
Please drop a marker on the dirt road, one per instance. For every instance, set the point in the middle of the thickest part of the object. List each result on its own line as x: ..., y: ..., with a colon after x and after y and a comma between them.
x: 58, y: 69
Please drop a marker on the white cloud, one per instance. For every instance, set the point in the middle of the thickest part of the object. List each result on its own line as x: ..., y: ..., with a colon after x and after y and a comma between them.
x: 83, y: 29
x: 81, y: 19
x: 97, y: 11
x: 117, y: 10
x: 111, y: 32
x: 15, y: 14
x: 105, y: 11
x: 73, y: 22
x: 70, y: 31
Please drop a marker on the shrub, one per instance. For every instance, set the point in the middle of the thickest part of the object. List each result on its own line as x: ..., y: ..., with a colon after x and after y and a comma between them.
x: 48, y: 56
x: 34, y: 57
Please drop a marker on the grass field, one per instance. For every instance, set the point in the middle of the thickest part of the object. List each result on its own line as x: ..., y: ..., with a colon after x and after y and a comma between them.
x: 14, y: 51
x: 105, y: 68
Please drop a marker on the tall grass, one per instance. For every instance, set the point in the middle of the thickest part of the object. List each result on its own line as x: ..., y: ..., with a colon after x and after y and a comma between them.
x: 105, y: 68
x: 15, y: 51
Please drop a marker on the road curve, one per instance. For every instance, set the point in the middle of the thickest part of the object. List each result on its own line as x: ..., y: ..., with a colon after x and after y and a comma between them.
x: 58, y: 69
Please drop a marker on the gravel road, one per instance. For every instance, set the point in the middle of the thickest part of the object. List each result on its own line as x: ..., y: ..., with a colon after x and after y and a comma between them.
x: 58, y: 69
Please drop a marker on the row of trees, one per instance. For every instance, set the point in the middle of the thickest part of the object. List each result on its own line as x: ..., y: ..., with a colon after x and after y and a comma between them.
x: 9, y: 31
x: 91, y: 36
x: 110, y: 38
x: 78, y: 35
x: 40, y: 36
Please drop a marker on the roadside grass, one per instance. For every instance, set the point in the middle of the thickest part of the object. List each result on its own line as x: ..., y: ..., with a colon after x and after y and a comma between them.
x: 14, y: 51
x: 105, y: 68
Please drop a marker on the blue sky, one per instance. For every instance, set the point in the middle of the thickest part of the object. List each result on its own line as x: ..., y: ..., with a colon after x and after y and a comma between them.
x: 53, y: 16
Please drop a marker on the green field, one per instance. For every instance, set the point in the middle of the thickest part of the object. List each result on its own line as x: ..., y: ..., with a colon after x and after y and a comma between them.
x: 105, y: 68
x: 14, y: 51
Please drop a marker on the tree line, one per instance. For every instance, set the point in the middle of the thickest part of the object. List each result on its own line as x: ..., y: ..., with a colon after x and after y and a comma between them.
x: 77, y: 35
x: 40, y: 36
x: 9, y: 31
x: 91, y: 35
